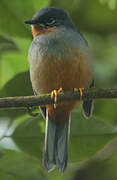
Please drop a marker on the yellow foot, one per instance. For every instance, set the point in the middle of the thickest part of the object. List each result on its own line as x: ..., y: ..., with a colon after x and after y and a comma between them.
x: 54, y: 95
x: 79, y: 89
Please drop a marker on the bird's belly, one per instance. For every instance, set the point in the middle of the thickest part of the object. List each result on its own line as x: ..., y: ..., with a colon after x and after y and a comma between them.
x: 51, y: 74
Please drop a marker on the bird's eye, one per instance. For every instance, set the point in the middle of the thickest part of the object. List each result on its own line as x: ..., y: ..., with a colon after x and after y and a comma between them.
x: 51, y: 21
x: 42, y: 25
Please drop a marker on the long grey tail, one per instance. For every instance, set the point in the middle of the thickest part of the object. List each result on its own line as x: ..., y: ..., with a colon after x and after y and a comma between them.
x: 56, y: 145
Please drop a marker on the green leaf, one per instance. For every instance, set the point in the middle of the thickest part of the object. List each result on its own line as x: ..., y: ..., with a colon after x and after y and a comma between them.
x: 92, y: 126
x: 90, y: 15
x: 15, y: 62
x: 18, y: 165
x: 103, y: 163
x: 19, y: 85
x: 86, y: 138
x: 29, y: 137
x: 7, y: 45
x: 15, y: 13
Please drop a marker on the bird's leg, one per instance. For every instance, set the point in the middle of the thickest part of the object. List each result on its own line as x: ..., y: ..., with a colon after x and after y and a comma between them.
x: 54, y: 95
x: 81, y: 91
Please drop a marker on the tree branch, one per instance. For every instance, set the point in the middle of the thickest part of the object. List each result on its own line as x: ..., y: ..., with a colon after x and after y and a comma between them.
x: 29, y: 101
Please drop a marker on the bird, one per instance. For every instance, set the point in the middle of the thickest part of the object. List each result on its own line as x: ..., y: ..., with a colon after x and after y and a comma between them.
x: 60, y: 60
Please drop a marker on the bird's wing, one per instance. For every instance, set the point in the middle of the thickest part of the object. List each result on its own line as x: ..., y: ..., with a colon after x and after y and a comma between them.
x: 88, y: 105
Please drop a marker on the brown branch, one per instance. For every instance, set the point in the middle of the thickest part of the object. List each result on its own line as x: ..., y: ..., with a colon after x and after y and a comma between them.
x: 29, y: 101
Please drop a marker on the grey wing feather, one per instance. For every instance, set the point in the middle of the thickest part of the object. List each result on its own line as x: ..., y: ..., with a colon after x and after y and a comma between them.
x: 88, y: 105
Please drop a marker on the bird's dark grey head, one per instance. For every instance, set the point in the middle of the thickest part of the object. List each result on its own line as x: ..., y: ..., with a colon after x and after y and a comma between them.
x: 50, y: 17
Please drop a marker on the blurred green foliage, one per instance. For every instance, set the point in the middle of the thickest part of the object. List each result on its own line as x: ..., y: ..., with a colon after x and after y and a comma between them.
x: 92, y: 149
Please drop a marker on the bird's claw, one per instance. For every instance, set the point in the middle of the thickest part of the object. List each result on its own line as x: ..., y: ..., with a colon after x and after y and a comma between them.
x: 54, y: 95
x: 81, y: 91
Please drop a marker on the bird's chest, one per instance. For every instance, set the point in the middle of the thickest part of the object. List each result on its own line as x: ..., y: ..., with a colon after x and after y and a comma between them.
x: 51, y: 73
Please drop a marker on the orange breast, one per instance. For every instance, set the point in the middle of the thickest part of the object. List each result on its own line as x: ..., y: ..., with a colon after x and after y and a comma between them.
x: 51, y: 73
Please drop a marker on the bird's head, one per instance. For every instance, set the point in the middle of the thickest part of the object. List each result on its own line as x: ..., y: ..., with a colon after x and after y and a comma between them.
x: 48, y: 20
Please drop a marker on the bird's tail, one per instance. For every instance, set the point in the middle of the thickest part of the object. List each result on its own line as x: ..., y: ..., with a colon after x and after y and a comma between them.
x: 56, y: 144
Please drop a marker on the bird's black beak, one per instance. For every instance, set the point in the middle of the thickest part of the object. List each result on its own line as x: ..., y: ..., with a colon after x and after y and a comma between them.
x: 31, y: 22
